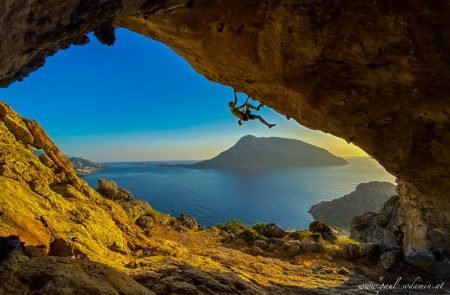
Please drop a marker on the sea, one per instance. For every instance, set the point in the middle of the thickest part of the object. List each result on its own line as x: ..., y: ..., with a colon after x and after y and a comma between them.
x: 215, y: 196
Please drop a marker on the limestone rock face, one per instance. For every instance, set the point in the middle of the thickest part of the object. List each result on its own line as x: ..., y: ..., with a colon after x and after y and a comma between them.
x: 47, y: 188
x: 372, y: 72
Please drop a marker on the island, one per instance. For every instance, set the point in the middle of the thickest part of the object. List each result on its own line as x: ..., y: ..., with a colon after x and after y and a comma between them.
x: 366, y: 197
x: 257, y: 153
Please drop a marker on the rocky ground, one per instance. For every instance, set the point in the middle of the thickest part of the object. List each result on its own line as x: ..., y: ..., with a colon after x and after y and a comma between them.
x: 123, y: 246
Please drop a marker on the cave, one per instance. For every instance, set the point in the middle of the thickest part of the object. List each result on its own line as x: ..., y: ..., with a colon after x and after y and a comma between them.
x: 375, y: 73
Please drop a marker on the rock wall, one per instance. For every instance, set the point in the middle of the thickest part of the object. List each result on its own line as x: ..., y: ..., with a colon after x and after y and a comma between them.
x: 373, y: 72
x: 425, y: 221
x: 32, y: 188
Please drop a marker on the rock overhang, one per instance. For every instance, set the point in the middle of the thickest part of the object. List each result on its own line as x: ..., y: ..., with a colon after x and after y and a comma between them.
x: 375, y: 73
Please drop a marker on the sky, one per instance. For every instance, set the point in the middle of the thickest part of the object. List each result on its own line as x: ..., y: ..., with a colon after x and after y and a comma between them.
x: 139, y: 100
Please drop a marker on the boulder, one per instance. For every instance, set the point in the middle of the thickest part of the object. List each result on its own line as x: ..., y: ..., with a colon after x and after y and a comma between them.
x: 270, y: 230
x: 261, y: 244
x: 110, y: 190
x: 186, y: 221
x: 324, y: 230
x: 145, y: 222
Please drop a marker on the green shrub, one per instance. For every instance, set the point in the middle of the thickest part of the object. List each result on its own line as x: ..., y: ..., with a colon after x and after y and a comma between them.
x: 304, y: 235
x: 337, y: 249
x: 250, y: 236
x: 332, y: 249
x: 233, y: 226
x: 343, y: 241
x: 261, y: 228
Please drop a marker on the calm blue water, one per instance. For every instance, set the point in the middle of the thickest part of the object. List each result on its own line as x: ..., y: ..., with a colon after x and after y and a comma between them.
x: 214, y: 196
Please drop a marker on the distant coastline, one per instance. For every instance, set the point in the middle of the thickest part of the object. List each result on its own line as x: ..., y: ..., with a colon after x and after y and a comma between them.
x: 85, y: 167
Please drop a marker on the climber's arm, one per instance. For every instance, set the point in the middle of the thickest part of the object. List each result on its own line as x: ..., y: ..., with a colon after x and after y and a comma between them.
x: 245, y: 103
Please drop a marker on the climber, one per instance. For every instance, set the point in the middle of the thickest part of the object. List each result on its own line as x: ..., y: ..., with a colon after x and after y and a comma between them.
x: 243, y: 112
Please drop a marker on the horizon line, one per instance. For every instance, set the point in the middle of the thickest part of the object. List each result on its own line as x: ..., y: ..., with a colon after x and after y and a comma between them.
x: 178, y: 160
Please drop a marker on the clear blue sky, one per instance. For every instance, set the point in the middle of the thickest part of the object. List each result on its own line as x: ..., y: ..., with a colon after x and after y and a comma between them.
x: 138, y: 100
